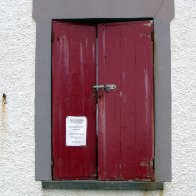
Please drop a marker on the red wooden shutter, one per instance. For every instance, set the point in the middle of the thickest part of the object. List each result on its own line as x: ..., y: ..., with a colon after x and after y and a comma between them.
x: 126, y: 116
x: 73, y: 75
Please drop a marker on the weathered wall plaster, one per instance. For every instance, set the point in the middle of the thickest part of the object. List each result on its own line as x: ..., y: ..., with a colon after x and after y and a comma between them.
x: 17, y: 64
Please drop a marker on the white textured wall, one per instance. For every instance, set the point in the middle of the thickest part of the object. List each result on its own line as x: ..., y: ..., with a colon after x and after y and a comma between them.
x: 17, y: 64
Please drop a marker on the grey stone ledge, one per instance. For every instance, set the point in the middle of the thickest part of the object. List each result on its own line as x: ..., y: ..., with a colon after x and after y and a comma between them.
x: 102, y: 185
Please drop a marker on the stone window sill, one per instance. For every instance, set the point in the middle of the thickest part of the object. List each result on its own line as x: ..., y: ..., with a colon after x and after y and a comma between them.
x: 102, y: 185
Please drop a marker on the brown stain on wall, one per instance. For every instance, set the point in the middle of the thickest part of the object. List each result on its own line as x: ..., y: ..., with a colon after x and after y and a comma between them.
x: 3, y: 114
x: 148, y: 193
x: 145, y: 193
x: 161, y: 193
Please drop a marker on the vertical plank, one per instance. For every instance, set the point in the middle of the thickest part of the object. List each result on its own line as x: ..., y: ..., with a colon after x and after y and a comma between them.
x: 126, y: 116
x: 73, y: 75
x: 109, y: 103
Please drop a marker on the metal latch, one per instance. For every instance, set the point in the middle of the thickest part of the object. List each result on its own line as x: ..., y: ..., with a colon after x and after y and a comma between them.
x: 105, y: 87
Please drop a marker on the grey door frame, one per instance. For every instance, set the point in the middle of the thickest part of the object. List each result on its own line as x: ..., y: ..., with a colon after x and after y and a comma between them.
x: 161, y: 11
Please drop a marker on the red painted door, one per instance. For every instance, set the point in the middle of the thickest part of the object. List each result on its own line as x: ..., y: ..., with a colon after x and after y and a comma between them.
x: 73, y: 75
x: 126, y: 115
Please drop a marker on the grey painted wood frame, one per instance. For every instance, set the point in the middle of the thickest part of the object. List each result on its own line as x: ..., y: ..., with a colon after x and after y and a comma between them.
x: 162, y: 11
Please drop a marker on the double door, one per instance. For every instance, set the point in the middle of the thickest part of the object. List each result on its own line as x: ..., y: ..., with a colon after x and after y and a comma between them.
x: 102, y: 77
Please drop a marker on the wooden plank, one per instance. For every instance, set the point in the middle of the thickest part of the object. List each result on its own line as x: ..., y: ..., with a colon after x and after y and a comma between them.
x: 73, y: 75
x: 126, y: 116
x: 108, y: 110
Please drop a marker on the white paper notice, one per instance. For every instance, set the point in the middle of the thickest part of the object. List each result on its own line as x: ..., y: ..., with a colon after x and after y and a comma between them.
x: 76, y: 127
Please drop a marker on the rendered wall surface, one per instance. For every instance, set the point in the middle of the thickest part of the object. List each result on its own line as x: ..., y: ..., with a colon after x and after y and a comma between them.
x: 17, y: 81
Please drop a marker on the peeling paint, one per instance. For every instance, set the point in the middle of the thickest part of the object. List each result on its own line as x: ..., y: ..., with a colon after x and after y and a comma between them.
x: 146, y: 95
x: 81, y: 60
x: 103, y: 128
x: 66, y: 54
x: 104, y: 50
x: 93, y: 52
x: 82, y: 72
x: 124, y: 87
x: 148, y: 24
x: 86, y: 41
